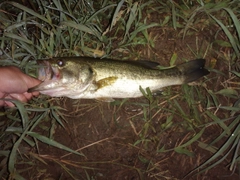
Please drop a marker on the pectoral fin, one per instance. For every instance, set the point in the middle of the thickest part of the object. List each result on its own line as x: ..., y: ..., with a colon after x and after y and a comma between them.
x: 106, y: 82
x: 103, y: 83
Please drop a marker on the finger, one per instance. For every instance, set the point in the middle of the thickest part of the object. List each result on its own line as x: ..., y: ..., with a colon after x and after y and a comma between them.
x: 30, y: 81
x: 35, y: 93
x: 28, y: 95
x: 9, y: 104
x: 1, y: 101
x: 19, y: 97
x: 6, y: 102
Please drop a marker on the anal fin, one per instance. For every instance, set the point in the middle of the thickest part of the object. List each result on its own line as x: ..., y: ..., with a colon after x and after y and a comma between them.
x: 157, y: 93
x: 105, y: 99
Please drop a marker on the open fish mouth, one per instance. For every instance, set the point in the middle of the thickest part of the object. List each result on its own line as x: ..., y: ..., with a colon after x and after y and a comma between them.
x: 47, y: 72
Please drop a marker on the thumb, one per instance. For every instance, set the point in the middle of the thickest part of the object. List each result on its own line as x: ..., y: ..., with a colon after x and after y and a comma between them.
x: 30, y: 81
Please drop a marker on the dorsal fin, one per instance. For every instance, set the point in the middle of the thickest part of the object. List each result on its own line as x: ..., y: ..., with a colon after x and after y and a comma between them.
x: 145, y: 63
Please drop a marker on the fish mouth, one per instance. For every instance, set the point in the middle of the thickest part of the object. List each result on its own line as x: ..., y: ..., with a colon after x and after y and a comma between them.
x: 47, y: 72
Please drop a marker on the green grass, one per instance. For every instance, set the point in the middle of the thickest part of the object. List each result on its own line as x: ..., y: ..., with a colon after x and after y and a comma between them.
x: 115, y: 29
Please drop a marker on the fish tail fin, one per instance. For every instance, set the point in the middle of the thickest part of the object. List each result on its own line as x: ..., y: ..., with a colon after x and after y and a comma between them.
x: 193, y: 70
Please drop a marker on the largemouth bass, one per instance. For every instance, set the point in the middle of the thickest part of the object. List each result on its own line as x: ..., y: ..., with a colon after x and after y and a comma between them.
x: 105, y: 79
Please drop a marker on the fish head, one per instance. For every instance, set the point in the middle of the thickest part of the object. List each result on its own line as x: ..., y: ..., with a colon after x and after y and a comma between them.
x: 61, y: 76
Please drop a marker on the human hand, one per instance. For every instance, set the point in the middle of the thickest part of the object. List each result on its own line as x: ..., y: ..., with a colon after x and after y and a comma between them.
x: 14, y: 84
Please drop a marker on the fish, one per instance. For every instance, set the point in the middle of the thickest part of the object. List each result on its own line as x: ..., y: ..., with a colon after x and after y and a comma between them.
x: 107, y: 79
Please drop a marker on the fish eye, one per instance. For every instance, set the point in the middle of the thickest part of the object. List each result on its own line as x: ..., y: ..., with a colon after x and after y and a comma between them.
x: 60, y: 63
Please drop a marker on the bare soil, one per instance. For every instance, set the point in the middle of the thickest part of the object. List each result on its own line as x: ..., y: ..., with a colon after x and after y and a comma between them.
x: 107, y: 138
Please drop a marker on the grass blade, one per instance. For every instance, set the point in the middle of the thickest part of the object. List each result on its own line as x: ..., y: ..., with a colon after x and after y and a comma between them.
x: 235, y: 20
x: 229, y: 35
x: 131, y: 19
x: 30, y: 11
x: 52, y: 142
x: 14, y: 36
x: 232, y: 142
x: 115, y: 15
x: 80, y: 27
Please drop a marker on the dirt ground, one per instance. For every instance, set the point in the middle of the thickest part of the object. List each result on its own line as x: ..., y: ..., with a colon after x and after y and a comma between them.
x: 107, y: 139
x: 109, y: 134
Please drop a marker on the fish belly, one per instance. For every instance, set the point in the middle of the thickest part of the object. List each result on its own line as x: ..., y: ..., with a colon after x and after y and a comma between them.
x: 125, y: 89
